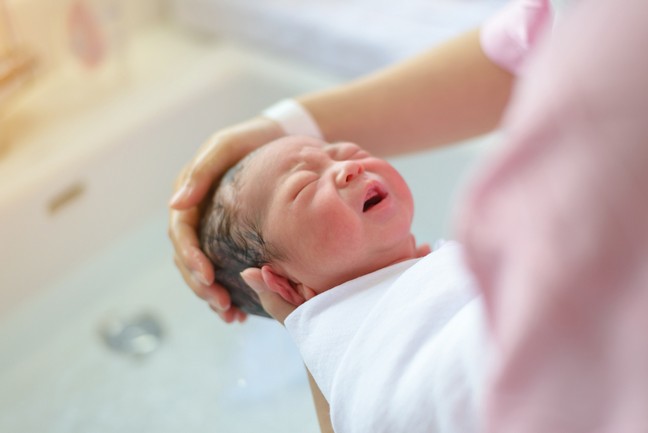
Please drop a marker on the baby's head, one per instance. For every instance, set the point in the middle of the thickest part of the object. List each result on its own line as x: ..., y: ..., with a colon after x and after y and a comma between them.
x: 309, y: 216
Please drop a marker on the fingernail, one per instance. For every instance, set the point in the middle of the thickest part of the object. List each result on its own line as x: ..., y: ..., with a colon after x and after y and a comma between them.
x: 252, y: 286
x: 258, y: 290
x: 200, y: 278
x: 220, y: 304
x: 216, y: 305
x: 179, y: 195
x: 224, y: 305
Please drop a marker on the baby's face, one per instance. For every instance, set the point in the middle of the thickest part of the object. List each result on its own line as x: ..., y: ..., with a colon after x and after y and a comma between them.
x: 334, y: 211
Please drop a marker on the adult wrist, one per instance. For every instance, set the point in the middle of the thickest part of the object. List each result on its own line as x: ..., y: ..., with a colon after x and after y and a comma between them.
x: 293, y: 118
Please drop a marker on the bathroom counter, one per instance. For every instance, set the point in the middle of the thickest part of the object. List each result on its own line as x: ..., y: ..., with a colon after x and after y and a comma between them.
x: 83, y: 195
x: 50, y: 124
x: 83, y: 213
x: 89, y: 158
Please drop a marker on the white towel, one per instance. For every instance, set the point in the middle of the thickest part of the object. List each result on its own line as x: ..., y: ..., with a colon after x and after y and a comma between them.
x: 400, y: 349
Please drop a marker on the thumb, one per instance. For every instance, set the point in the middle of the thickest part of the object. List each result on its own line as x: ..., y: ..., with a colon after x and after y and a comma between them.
x: 190, y: 189
x: 423, y: 250
x: 274, y: 304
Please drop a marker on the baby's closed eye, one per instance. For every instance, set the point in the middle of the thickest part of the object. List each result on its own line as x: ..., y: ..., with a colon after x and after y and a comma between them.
x: 347, y: 151
x: 301, y: 180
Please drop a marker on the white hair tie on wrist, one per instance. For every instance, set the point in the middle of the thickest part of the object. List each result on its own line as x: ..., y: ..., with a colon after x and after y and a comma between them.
x: 293, y: 118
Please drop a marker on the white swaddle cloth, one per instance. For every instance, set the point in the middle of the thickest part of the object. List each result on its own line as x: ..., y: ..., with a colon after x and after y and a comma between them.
x: 400, y: 349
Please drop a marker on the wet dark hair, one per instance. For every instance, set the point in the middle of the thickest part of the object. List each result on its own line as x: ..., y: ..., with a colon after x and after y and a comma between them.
x: 233, y: 241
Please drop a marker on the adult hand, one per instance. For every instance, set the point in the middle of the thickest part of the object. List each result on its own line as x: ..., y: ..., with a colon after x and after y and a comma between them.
x: 274, y: 304
x: 215, y: 156
x: 423, y: 250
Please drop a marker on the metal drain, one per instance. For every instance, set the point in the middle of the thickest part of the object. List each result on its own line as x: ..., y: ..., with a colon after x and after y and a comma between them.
x: 139, y: 334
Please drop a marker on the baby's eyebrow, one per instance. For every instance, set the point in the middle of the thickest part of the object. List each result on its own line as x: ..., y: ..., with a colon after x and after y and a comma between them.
x: 295, y: 165
x: 306, y: 160
x: 293, y: 168
x: 298, y: 165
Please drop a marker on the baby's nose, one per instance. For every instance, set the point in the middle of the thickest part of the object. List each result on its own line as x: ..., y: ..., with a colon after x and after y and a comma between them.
x: 347, y: 172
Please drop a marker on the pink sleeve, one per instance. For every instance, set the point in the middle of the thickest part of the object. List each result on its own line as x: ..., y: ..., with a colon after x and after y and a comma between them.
x: 509, y: 36
x: 556, y: 231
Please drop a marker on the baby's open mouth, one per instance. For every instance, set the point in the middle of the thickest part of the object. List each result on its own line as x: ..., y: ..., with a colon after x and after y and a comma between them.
x: 374, y: 196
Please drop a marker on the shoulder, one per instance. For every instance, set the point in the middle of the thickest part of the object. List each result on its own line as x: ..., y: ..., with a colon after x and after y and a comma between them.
x: 509, y: 36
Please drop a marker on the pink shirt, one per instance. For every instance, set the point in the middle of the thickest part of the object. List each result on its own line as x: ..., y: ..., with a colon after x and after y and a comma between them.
x: 555, y: 224
x: 511, y: 34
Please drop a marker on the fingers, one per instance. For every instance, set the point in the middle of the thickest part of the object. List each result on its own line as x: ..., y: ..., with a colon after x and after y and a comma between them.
x: 274, y: 304
x: 199, y: 176
x: 212, y: 159
x: 217, y: 297
x: 231, y: 315
x: 183, y: 232
x: 217, y: 154
x: 423, y: 250
x: 196, y: 269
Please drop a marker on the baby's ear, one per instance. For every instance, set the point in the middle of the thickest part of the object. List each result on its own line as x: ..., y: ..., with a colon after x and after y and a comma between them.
x: 281, y: 285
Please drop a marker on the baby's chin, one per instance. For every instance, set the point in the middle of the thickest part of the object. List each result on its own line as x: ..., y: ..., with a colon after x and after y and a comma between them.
x: 405, y: 250
x: 410, y: 251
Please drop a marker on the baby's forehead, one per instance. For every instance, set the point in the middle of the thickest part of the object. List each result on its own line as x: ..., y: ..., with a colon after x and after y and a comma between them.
x: 261, y: 173
x: 296, y: 145
x: 278, y: 158
x: 281, y: 156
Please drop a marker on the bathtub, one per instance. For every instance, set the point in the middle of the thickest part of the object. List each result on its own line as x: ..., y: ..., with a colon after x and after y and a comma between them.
x: 84, y: 253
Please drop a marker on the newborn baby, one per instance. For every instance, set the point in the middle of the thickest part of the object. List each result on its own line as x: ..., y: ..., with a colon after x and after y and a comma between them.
x: 310, y: 215
x: 327, y: 227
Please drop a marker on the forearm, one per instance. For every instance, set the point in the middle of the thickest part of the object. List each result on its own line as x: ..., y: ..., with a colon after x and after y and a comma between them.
x: 321, y: 406
x: 449, y: 93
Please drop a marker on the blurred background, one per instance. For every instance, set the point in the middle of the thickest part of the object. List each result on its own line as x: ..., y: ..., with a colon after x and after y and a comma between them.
x: 101, y: 103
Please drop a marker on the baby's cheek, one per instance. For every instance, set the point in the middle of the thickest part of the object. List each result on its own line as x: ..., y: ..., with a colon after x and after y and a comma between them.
x: 340, y: 239
x: 334, y: 224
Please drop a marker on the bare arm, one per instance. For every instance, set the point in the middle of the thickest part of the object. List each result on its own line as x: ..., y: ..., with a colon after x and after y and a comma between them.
x: 280, y: 309
x: 449, y: 93
x: 321, y: 406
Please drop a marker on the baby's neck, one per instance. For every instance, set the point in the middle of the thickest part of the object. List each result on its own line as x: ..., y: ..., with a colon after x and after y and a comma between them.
x: 391, y: 257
